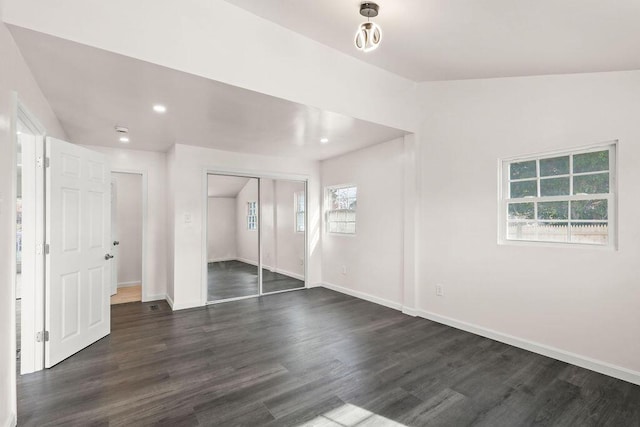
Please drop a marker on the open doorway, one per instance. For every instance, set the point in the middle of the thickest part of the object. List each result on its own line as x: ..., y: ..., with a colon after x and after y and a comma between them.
x: 126, y: 233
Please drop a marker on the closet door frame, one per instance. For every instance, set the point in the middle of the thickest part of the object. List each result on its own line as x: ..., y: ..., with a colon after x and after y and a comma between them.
x: 259, y: 175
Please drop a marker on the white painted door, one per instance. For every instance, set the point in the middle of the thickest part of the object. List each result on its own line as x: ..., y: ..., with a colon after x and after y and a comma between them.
x: 78, y: 231
x: 114, y: 237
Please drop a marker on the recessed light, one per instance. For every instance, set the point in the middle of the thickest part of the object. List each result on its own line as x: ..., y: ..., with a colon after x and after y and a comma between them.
x: 124, y: 139
x: 159, y: 108
x: 324, y: 140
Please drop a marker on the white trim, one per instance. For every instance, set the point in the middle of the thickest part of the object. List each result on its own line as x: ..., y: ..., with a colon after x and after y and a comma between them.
x: 289, y: 274
x: 129, y: 284
x: 267, y: 267
x: 247, y: 261
x: 170, y: 301
x: 12, y: 420
x: 184, y: 306
x: 222, y: 259
x: 545, y: 350
x: 158, y: 297
x: 363, y: 295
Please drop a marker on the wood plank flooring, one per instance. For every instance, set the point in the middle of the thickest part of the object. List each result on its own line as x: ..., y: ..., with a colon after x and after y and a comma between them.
x: 128, y: 294
x: 317, y: 357
x: 234, y: 279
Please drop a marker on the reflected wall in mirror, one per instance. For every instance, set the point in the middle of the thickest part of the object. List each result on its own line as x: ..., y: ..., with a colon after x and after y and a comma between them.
x: 232, y: 237
x: 283, y: 234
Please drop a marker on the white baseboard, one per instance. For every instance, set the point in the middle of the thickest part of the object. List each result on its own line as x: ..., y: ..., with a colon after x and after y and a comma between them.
x: 129, y: 284
x: 182, y: 306
x: 290, y: 274
x: 11, y: 420
x: 150, y: 298
x: 222, y: 259
x: 363, y: 295
x: 268, y: 267
x: 545, y: 350
x: 170, y: 301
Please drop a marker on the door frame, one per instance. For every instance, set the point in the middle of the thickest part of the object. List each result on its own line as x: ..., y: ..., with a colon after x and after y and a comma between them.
x: 212, y: 170
x: 145, y: 218
x: 32, y: 306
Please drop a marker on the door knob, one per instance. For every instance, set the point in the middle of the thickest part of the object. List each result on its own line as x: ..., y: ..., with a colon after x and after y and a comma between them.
x: 108, y: 257
x: 116, y: 243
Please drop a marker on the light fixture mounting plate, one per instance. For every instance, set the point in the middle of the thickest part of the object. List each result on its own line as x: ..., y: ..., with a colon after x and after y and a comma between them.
x: 369, y: 10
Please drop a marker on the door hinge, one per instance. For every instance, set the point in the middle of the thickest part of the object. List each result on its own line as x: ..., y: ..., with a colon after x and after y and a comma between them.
x: 46, y: 249
x: 43, y: 162
x: 42, y: 336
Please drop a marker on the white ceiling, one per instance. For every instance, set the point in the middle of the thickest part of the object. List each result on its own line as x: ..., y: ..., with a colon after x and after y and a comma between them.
x: 92, y: 90
x: 225, y: 186
x: 463, y: 39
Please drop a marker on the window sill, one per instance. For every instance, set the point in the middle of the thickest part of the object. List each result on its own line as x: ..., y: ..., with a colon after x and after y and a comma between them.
x: 534, y: 243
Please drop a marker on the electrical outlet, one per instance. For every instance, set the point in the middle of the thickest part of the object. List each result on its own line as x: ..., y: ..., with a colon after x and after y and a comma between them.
x: 344, y: 269
x: 439, y: 290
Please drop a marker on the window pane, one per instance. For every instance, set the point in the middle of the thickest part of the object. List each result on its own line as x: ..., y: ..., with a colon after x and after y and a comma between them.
x: 523, y: 170
x: 522, y: 231
x: 589, y: 209
x: 555, y: 166
x: 524, y: 189
x: 591, y: 162
x: 521, y: 211
x: 554, y: 187
x: 591, y: 184
x: 553, y: 232
x: 553, y: 210
x: 590, y: 233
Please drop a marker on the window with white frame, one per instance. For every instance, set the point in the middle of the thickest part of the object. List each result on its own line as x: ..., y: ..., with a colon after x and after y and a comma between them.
x: 341, y: 209
x: 252, y: 216
x: 300, y: 210
x: 565, y: 197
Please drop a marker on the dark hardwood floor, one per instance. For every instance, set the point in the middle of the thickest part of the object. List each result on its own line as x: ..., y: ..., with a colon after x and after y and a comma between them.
x: 233, y: 279
x: 312, y: 356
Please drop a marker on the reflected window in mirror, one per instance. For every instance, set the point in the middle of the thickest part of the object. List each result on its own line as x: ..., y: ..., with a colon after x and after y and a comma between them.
x: 300, y: 211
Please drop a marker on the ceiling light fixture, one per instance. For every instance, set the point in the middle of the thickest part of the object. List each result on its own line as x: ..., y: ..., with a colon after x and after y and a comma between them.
x: 159, y: 108
x: 369, y: 34
x: 124, y: 139
x: 324, y: 140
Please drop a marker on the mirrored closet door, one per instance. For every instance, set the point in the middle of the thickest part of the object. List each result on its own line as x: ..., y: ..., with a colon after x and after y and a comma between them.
x: 256, y: 236
x: 233, y: 252
x: 283, y: 235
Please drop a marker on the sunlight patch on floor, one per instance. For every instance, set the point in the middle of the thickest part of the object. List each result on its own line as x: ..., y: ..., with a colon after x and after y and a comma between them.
x: 349, y: 415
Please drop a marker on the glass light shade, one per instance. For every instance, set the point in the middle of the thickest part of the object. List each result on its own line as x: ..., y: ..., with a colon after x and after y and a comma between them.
x: 368, y: 37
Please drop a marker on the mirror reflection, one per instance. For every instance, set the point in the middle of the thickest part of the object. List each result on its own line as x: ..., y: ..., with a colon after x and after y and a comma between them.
x: 283, y: 234
x: 232, y: 237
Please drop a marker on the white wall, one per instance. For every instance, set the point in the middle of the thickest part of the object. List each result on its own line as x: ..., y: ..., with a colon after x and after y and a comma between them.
x: 189, y: 248
x: 14, y: 76
x: 129, y: 226
x: 153, y: 165
x: 221, y: 229
x: 373, y: 257
x: 581, y: 301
